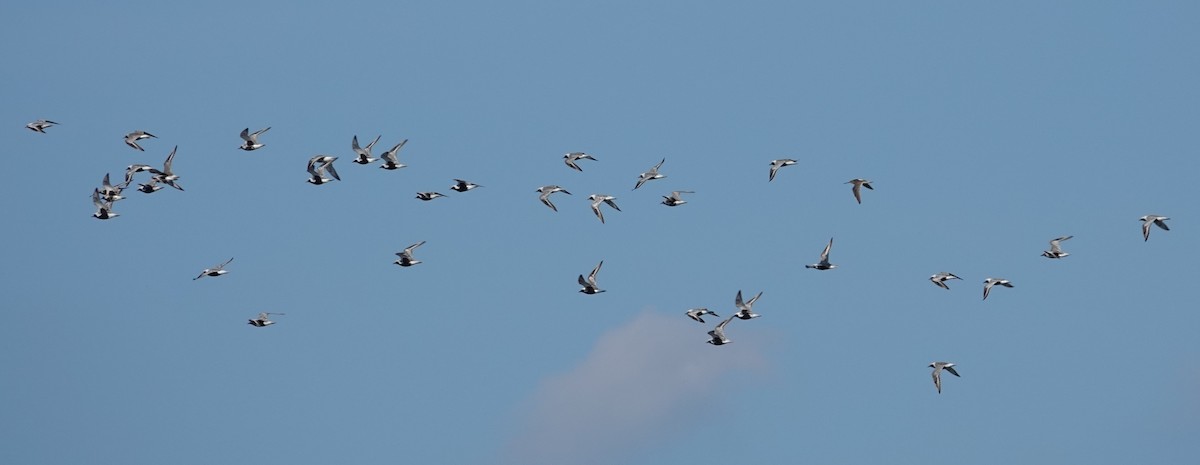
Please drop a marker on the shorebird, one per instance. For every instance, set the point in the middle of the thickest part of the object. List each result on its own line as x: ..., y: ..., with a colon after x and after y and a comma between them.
x: 824, y: 263
x: 858, y: 185
x: 777, y: 164
x: 717, y: 335
x: 149, y: 187
x: 166, y: 176
x: 1159, y: 221
x: 937, y: 373
x: 103, y: 209
x: 597, y: 199
x: 546, y: 191
x: 941, y: 278
x: 318, y: 166
x: 696, y: 313
x: 427, y: 196
x: 251, y: 139
x: 109, y: 192
x: 649, y: 175
x: 132, y: 138
x: 40, y: 125
x: 572, y: 157
x: 463, y: 186
x: 745, y: 309
x: 988, y: 283
x: 1056, y: 248
x: 589, y: 284
x: 364, y: 154
x: 674, y: 200
x: 136, y: 168
x: 262, y: 319
x: 214, y: 271
x: 406, y: 259
x: 390, y: 161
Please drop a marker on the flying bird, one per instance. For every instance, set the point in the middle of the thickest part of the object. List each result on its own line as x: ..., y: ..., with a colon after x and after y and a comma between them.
x: 390, y: 160
x: 319, y: 166
x: 589, y: 284
x: 696, y: 313
x: 1159, y: 221
x: 214, y: 271
x: 941, y: 278
x: 572, y: 157
x: 166, y: 176
x: 149, y: 187
x: 824, y: 263
x: 103, y: 208
x: 649, y: 175
x: 937, y: 373
x: 364, y: 153
x: 427, y: 196
x: 777, y: 164
x: 988, y: 283
x: 546, y: 191
x: 40, y: 125
x: 597, y: 199
x: 109, y: 192
x: 262, y: 319
x: 717, y: 335
x: 132, y: 138
x: 745, y: 309
x: 251, y: 139
x: 858, y: 185
x: 406, y: 258
x: 674, y: 200
x: 463, y: 186
x: 1056, y: 248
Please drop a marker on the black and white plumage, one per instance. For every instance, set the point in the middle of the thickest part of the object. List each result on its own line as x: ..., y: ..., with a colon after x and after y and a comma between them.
x: 132, y: 138
x: 937, y: 373
x: 1156, y: 220
x: 824, y: 263
x: 103, y: 208
x: 251, y: 139
x: 391, y: 160
x: 572, y: 157
x: 650, y: 175
x: 262, y: 319
x: 363, y: 154
x: 545, y: 195
x: 597, y: 199
x: 988, y: 283
x: 463, y: 186
x: 1056, y: 250
x: 697, y: 313
x: 427, y: 196
x: 859, y: 183
x: 745, y: 310
x: 777, y: 164
x: 717, y: 335
x: 319, y: 166
x: 675, y: 200
x: 406, y: 256
x: 589, y: 284
x: 40, y: 125
x: 166, y: 175
x: 940, y: 279
x: 214, y: 271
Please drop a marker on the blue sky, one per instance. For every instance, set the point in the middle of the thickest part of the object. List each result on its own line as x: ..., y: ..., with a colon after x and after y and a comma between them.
x: 986, y: 128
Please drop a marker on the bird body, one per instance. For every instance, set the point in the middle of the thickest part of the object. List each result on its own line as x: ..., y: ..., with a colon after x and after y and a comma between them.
x: 824, y: 263
x: 251, y: 139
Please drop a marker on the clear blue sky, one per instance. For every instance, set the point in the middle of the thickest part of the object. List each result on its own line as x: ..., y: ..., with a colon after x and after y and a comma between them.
x: 988, y: 129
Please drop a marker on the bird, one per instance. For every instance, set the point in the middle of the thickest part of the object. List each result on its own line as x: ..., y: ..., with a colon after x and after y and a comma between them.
x: 364, y: 153
x: 406, y: 259
x: 988, y: 283
x: 166, y: 176
x: 132, y: 138
x: 937, y: 373
x: 745, y: 309
x: 318, y: 166
x: 251, y: 139
x: 546, y: 191
x: 463, y: 186
x: 262, y: 319
x: 427, y: 196
x: 1157, y: 220
x: 1056, y: 248
x: 149, y: 187
x: 571, y: 157
x: 390, y: 161
x: 597, y: 199
x: 777, y: 164
x: 40, y: 125
x: 674, y: 200
x: 824, y: 263
x: 109, y: 192
x: 589, y: 284
x: 652, y: 174
x: 696, y: 313
x: 717, y: 335
x: 859, y: 183
x: 136, y: 168
x: 214, y: 271
x: 940, y: 279
x: 103, y: 209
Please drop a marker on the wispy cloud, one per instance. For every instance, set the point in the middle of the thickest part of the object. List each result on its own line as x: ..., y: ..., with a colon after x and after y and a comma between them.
x: 639, y: 381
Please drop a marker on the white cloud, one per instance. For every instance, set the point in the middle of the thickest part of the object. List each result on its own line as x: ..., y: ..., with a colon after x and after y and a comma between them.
x: 640, y: 381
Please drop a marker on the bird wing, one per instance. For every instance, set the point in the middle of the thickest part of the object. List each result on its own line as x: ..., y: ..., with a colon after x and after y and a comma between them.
x: 937, y: 378
x: 610, y: 203
x: 825, y: 253
x: 592, y: 275
x: 1160, y: 223
x: 246, y: 135
x: 951, y: 370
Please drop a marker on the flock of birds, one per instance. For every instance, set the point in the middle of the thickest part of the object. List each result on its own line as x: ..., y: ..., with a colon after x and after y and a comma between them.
x: 321, y: 171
